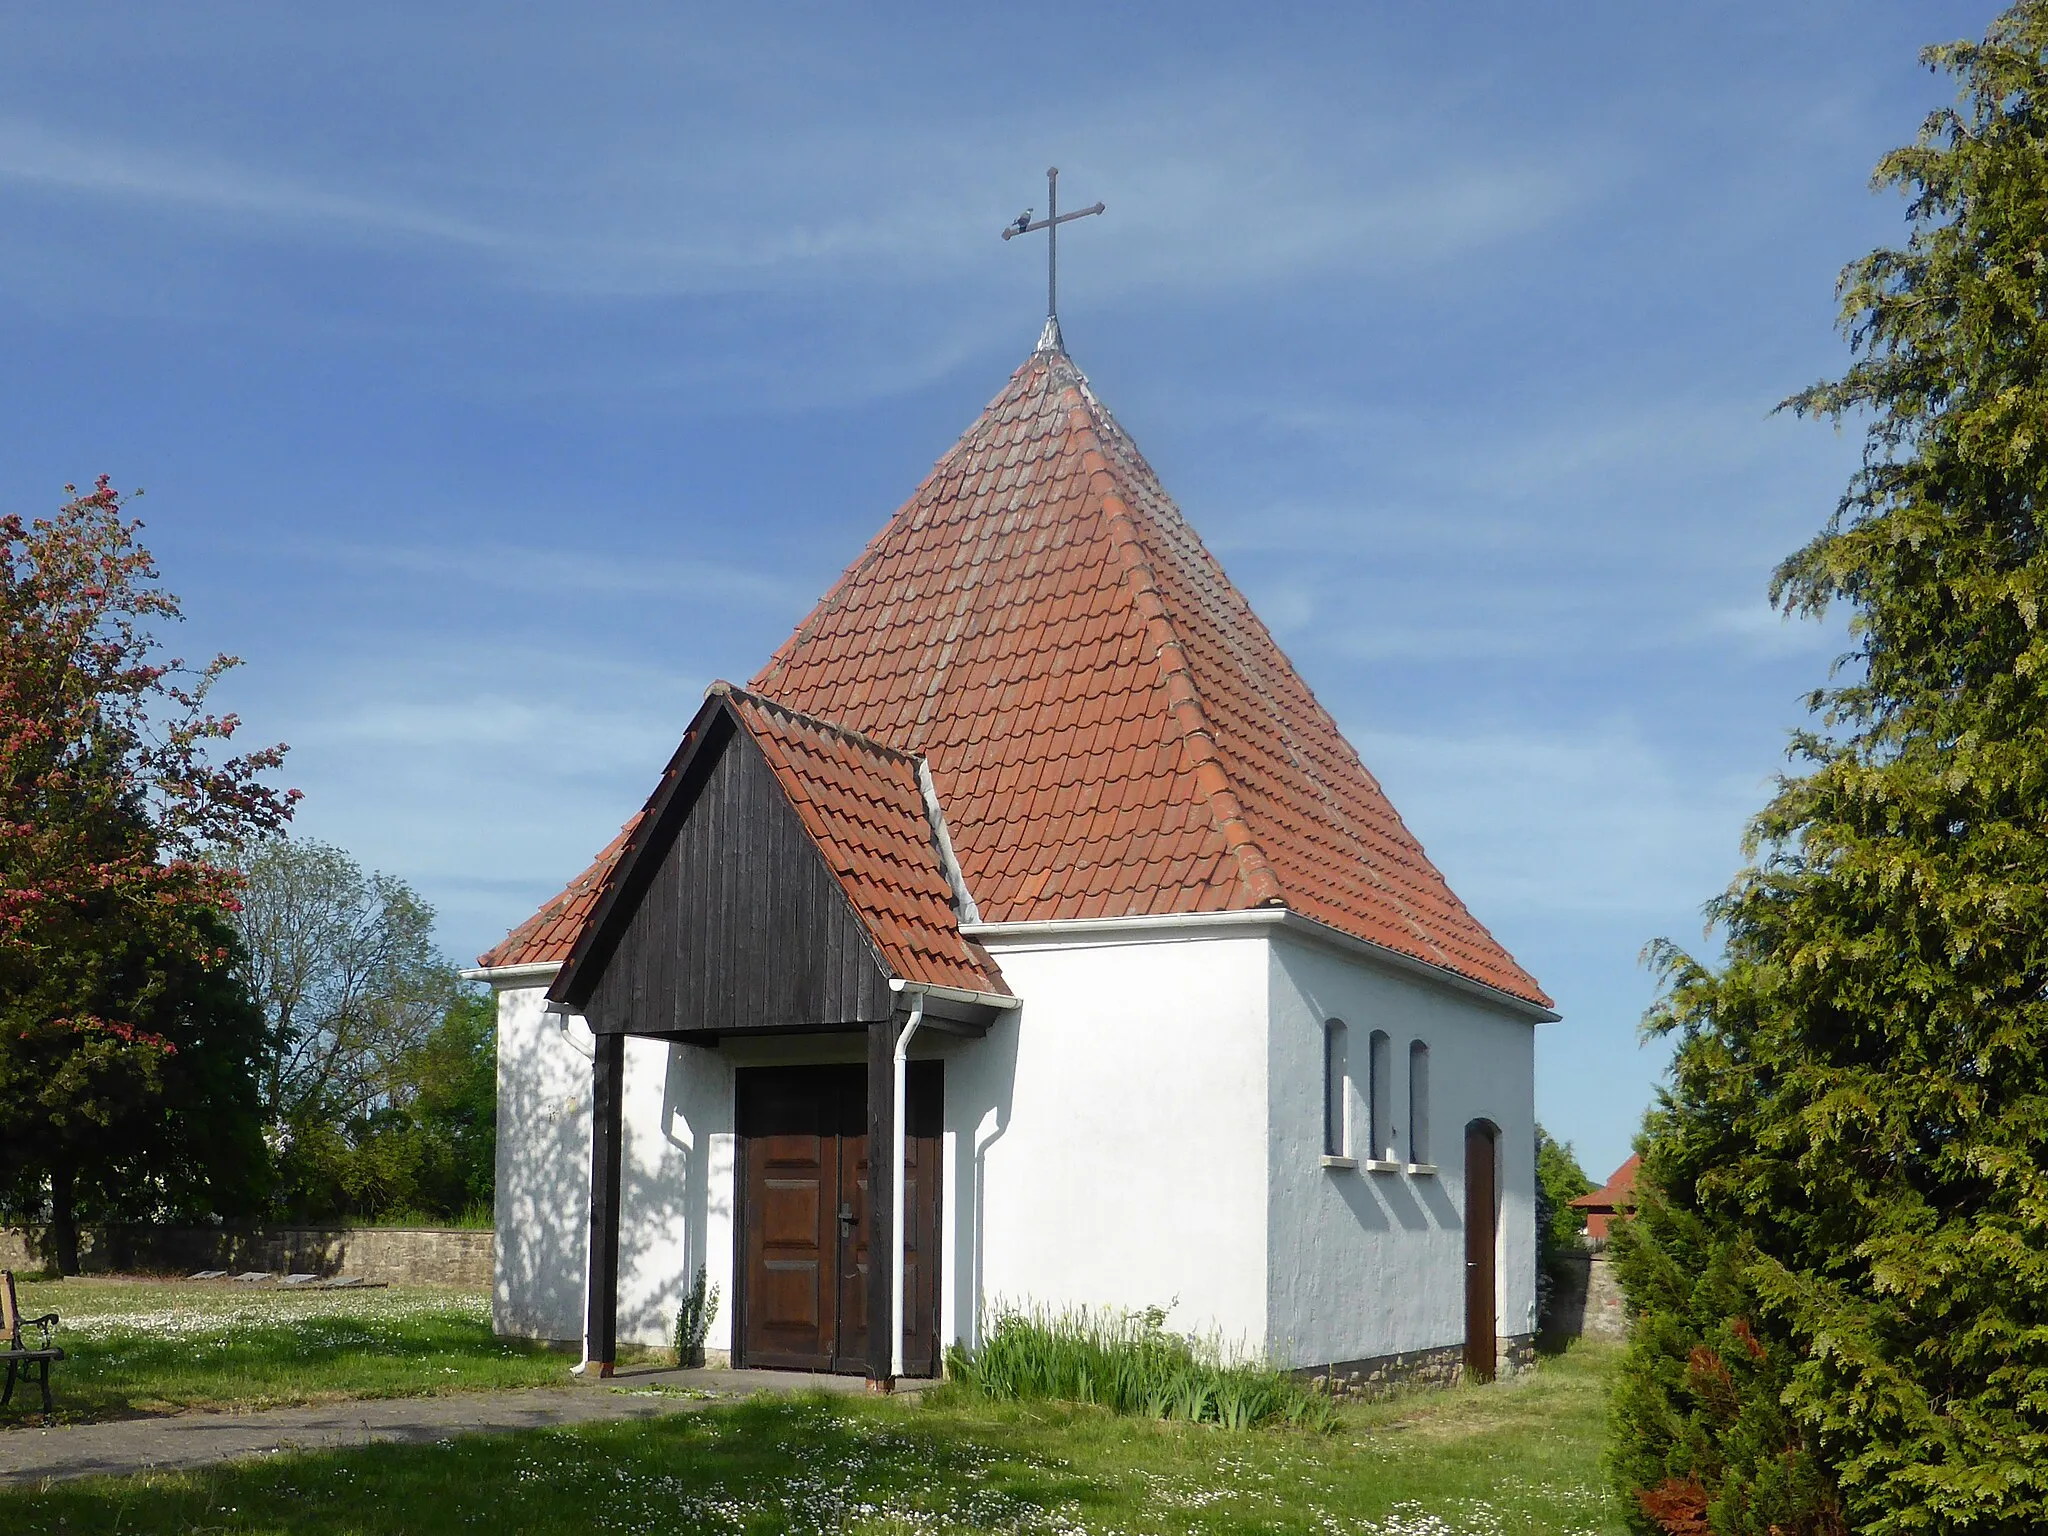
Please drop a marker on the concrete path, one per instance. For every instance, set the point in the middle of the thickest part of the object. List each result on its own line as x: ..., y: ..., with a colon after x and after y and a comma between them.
x: 178, y: 1441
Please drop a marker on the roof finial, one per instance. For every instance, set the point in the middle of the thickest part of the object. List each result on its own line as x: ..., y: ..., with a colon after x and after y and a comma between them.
x: 1049, y: 339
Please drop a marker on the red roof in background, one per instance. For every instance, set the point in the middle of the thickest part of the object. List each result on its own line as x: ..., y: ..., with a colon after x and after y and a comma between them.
x: 1110, y: 729
x: 863, y: 807
x: 549, y: 935
x: 1617, y: 1192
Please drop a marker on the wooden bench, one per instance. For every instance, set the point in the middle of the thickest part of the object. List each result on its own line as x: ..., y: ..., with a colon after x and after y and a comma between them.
x: 20, y: 1358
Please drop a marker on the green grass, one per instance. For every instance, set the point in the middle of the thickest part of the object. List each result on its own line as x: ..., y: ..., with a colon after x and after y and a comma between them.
x: 1128, y: 1363
x: 1502, y: 1460
x: 139, y: 1347
x: 480, y: 1217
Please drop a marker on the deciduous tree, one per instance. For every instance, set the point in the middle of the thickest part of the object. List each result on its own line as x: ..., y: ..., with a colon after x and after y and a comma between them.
x: 1560, y: 1227
x: 126, y: 1044
x: 381, y: 1093
x: 343, y: 964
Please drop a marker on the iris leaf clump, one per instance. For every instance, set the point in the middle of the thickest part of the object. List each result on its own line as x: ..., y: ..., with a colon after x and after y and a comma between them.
x: 1130, y: 1364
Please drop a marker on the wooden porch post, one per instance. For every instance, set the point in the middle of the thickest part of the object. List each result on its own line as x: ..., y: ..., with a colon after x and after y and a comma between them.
x: 881, y: 1202
x: 601, y: 1327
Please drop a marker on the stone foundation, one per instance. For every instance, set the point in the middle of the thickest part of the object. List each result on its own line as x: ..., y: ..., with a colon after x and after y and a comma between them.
x: 1443, y: 1366
x: 451, y: 1256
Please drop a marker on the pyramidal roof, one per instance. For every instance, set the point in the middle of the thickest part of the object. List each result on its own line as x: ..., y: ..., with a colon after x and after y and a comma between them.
x: 1110, y: 729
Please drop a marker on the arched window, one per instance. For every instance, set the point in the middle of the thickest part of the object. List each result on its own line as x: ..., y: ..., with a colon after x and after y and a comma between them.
x: 1418, y: 1103
x: 1336, y: 1091
x: 1382, y: 1098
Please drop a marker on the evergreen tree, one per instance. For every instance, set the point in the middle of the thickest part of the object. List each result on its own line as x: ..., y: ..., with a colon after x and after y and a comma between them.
x: 1839, y: 1262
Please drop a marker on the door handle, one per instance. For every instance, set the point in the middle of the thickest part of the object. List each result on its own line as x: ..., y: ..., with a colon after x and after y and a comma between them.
x: 846, y: 1214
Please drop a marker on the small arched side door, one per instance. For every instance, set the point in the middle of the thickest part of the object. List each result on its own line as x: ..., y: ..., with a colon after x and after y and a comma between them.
x: 1482, y: 1224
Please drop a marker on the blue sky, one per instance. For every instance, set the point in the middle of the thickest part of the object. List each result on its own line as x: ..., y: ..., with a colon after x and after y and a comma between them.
x: 499, y: 376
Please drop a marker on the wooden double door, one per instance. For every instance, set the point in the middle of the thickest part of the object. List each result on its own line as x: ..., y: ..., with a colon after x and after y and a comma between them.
x: 804, y: 1218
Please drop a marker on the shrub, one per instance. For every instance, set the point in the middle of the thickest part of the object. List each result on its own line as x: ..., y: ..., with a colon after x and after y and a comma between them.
x: 694, y: 1316
x: 1128, y: 1363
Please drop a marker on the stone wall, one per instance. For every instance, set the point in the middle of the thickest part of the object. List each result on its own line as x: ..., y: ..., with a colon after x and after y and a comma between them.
x: 452, y: 1256
x: 1587, y: 1300
x: 1606, y: 1315
x: 1440, y: 1367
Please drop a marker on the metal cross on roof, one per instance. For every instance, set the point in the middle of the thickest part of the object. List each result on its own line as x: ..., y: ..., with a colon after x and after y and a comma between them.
x: 1023, y: 224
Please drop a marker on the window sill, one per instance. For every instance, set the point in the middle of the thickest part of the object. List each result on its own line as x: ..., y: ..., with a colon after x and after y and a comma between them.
x: 1422, y: 1168
x: 1382, y: 1165
x: 1338, y: 1164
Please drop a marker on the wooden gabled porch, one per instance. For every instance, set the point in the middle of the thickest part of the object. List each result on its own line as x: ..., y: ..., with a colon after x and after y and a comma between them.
x: 786, y: 877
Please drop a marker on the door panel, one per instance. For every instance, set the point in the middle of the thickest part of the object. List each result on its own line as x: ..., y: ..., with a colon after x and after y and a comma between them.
x: 787, y: 1296
x: 789, y: 1207
x: 790, y: 1154
x: 852, y: 1352
x: 922, y: 1192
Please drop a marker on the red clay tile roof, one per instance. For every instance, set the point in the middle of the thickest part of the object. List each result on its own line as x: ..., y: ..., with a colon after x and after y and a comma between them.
x: 1617, y: 1192
x: 548, y: 936
x: 863, y: 807
x: 1111, y: 729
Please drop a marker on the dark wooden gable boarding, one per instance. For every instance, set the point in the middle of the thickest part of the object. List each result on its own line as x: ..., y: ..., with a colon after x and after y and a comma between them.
x: 728, y: 919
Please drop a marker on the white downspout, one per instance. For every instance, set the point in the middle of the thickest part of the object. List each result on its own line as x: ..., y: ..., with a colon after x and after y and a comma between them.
x: 896, y: 1187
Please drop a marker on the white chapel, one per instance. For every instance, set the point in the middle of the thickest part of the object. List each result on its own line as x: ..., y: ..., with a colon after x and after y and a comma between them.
x: 1023, y: 932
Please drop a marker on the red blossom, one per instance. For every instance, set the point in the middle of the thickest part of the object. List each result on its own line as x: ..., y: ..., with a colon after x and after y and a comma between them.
x: 116, y: 811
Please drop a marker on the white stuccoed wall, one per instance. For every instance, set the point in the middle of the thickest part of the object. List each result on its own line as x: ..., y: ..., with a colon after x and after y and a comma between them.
x: 675, y: 1187
x: 675, y: 1177
x: 543, y: 1199
x: 1110, y: 1135
x: 1370, y: 1264
x: 1148, y: 1126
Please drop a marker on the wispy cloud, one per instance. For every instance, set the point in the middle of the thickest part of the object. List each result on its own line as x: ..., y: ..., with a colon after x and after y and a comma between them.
x: 35, y: 154
x: 790, y: 206
x: 838, y: 363
x: 1598, y: 824
x: 562, y: 570
x: 1512, y: 450
x: 486, y: 776
x: 1759, y: 629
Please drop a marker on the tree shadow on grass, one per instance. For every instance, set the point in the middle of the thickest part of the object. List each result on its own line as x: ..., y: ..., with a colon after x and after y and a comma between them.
x: 800, y: 1466
x: 121, y: 1375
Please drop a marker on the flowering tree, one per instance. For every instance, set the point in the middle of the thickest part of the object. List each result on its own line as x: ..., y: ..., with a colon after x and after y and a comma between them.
x: 128, y: 1044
